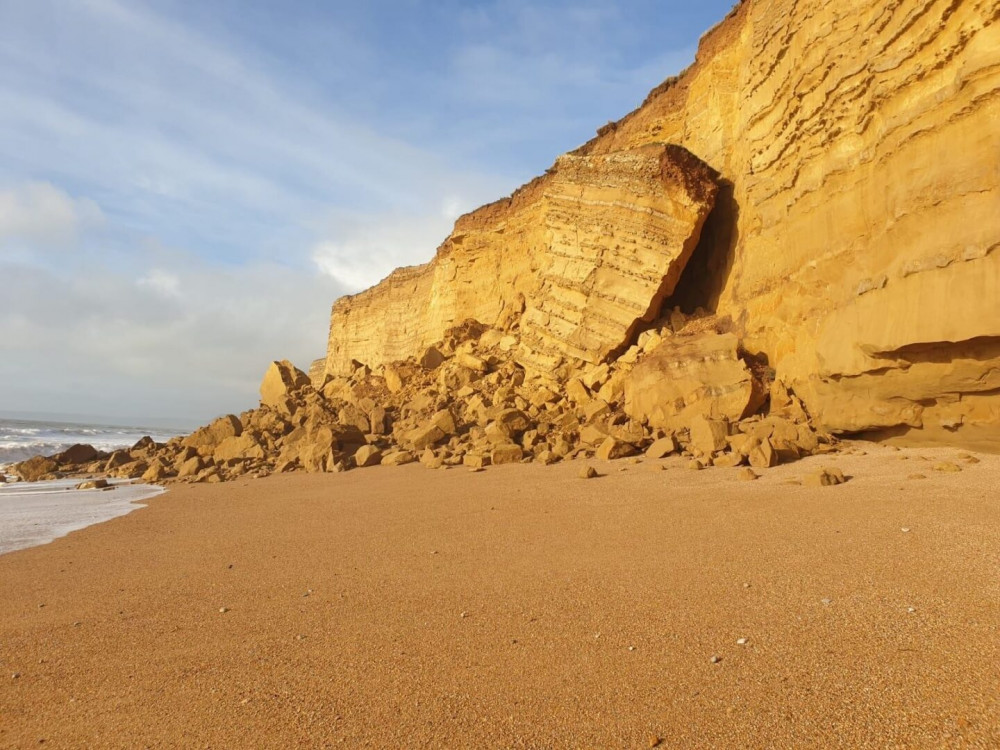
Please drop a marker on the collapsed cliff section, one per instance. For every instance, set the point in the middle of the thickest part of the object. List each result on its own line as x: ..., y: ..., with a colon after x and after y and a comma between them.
x: 574, y: 261
x: 854, y: 238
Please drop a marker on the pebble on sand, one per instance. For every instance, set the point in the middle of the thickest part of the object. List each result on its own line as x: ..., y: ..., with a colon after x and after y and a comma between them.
x: 716, y: 659
x: 588, y: 472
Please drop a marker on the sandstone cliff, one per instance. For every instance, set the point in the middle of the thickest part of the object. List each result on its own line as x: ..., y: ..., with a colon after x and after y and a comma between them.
x: 852, y: 243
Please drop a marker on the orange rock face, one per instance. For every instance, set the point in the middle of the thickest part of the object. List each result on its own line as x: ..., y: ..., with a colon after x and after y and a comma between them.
x: 853, y: 243
x: 575, y: 259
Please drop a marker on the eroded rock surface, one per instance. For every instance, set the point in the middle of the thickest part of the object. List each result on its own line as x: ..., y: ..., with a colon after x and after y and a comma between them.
x: 573, y: 260
x: 854, y: 242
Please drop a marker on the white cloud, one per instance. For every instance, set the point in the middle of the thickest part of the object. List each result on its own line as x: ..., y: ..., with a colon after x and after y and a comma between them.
x: 95, y: 341
x: 38, y: 213
x: 161, y: 282
x: 359, y: 251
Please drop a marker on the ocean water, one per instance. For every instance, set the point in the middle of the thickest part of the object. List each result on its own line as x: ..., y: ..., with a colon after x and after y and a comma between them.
x: 34, y: 513
x: 23, y: 438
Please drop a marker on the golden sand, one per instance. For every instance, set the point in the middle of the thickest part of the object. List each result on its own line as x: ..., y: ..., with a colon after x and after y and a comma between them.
x: 522, y: 606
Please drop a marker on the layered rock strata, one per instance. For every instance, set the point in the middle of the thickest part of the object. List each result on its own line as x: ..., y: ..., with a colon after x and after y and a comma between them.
x: 575, y: 260
x: 854, y: 243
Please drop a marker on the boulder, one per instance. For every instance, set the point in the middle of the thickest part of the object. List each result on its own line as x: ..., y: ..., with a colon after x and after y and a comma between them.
x: 156, y: 472
x: 93, y: 484
x: 367, y: 455
x: 476, y: 460
x: 116, y: 459
x: 431, y: 460
x: 824, y: 478
x: 424, y: 436
x: 611, y: 449
x: 211, y: 435
x: 80, y: 453
x: 432, y: 358
x: 191, y: 467
x: 398, y: 458
x: 34, y: 468
x: 762, y: 455
x: 282, y: 380
x: 143, y: 444
x: 708, y: 435
x: 662, y: 447
x: 506, y: 453
x: 685, y: 377
x: 238, y: 447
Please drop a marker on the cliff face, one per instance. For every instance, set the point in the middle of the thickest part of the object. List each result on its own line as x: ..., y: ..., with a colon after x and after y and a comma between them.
x: 854, y: 240
x: 576, y: 260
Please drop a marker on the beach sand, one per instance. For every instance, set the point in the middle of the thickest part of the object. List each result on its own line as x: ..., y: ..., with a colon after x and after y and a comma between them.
x: 521, y: 607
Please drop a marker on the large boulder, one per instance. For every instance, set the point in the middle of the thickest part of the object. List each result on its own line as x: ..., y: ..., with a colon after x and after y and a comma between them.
x: 34, y: 468
x: 80, y: 453
x: 213, y: 434
x: 238, y: 446
x: 686, y: 377
x: 281, y: 380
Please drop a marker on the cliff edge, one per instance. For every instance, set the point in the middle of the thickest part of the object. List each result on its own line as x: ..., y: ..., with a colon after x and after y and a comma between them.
x: 825, y: 178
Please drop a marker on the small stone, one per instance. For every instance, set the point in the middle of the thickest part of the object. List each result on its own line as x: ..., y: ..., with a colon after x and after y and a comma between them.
x: 588, y: 472
x: 741, y: 641
x: 16, y: 676
x: 654, y: 740
x: 917, y: 476
x: 223, y: 610
x: 746, y: 474
x: 631, y: 648
x: 464, y: 615
x: 905, y: 529
x: 695, y: 465
x: 827, y: 602
x: 911, y: 610
x: 746, y: 585
x: 947, y: 467
x: 715, y: 659
x: 476, y: 469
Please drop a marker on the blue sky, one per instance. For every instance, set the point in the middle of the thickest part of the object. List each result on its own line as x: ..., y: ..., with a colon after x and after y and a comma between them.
x: 185, y: 187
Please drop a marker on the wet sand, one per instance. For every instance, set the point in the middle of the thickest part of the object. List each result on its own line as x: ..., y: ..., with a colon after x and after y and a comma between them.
x: 521, y: 607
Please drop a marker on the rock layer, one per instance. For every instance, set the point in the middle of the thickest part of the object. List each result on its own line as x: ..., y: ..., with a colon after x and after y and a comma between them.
x: 855, y: 243
x: 575, y: 260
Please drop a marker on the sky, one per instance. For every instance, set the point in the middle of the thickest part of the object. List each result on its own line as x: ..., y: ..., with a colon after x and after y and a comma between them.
x: 187, y: 186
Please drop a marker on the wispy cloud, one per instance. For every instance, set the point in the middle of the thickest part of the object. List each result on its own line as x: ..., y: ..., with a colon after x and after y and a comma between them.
x: 38, y: 213
x: 186, y: 188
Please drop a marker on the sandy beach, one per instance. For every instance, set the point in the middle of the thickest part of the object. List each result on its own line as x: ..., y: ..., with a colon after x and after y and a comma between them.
x: 521, y: 607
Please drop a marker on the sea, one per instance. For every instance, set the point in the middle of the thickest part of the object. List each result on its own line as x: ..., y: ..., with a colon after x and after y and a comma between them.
x: 35, y: 513
x: 23, y: 438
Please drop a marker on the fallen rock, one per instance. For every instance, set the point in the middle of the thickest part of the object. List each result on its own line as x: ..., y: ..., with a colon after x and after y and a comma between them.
x: 762, y: 455
x: 77, y: 454
x: 662, y: 447
x: 588, y: 472
x: 398, y: 458
x: 34, y: 468
x: 93, y: 484
x: 281, y: 381
x: 708, y: 435
x: 611, y: 449
x: 506, y: 453
x: 214, y: 433
x: 686, y: 377
x: 824, y: 478
x: 367, y: 455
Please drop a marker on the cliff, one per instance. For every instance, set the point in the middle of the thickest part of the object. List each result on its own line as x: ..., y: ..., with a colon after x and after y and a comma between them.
x: 851, y: 242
